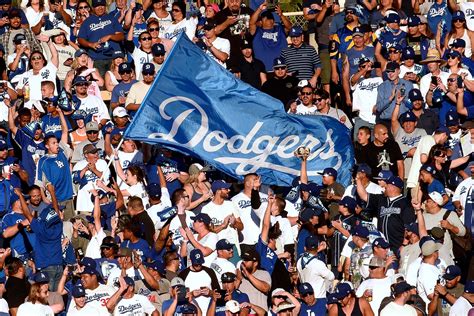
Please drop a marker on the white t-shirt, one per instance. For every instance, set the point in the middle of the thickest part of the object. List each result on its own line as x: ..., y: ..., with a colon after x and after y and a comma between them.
x: 210, y: 241
x: 218, y: 213
x: 424, y: 147
x: 37, y: 309
x: 175, y: 226
x: 87, y: 310
x: 393, y: 308
x: 426, y: 81
x: 427, y: 277
x: 468, y: 9
x: 380, y: 289
x: 115, y: 274
x: 137, y: 305
x: 94, y: 106
x: 186, y: 25
x: 153, y: 210
x: 461, y: 192
x: 47, y: 73
x: 221, y: 266
x: 250, y: 217
x: 364, y: 98
x: 302, y: 109
x: 316, y: 273
x: 221, y: 44
x: 84, y: 202
x: 460, y: 308
x: 196, y: 280
x: 93, y: 248
x: 4, y: 306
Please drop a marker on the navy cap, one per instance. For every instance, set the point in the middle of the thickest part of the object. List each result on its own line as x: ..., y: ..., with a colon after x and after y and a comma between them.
x: 396, y: 181
x: 118, y: 54
x: 458, y: 15
x: 342, y: 290
x: 311, y: 242
x: 78, y: 290
x: 458, y: 42
x: 408, y: 53
x: 413, y: 228
x: 305, y: 288
x: 414, y: 20
x: 311, y: 187
x: 80, y: 52
x: 90, y: 271
x: 279, y: 62
x: 224, y: 244
x: 380, y: 242
x: 209, y: 26
x: 452, y: 119
x: 18, y: 38
x: 384, y: 175
x: 454, y: 54
x: 218, y: 185
x: 329, y: 172
x: 154, y: 190
x: 295, y: 31
x: 401, y: 287
x: 88, y: 262
x: 357, y: 31
x: 40, y: 277
x: 308, y: 213
x: 392, y: 66
x: 80, y: 80
x: 415, y: 95
x: 361, y: 231
x: 3, y: 144
x: 469, y: 287
x: 408, y: 116
x: 363, y: 60
x: 348, y: 202
x: 90, y: 219
x: 202, y: 217
x: 197, y: 257
x: 442, y: 129
x: 250, y: 255
x: 124, y: 67
x: 392, y: 17
x: 228, y: 277
x: 155, y: 265
x: 365, y: 168
x: 245, y: 44
x: 97, y: 3
x: 397, y: 47
x: 331, y: 298
x: 158, y: 49
x: 148, y: 69
x: 452, y: 272
x: 129, y: 281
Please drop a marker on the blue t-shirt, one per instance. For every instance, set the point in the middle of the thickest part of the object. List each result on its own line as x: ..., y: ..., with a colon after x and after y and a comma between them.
x: 52, y: 125
x: 141, y: 246
x: 55, y: 168
x: 48, y: 250
x: 236, y: 296
x: 121, y: 90
x: 317, y: 309
x: 29, y: 148
x: 268, y: 257
x: 94, y: 28
x: 17, y: 242
x: 267, y: 44
x: 6, y: 192
x: 14, y: 178
x: 439, y: 13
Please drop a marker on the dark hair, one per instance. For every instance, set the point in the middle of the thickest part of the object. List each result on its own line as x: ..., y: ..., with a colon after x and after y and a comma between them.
x: 37, y: 52
x: 48, y: 137
x: 274, y: 232
x: 13, y: 265
x: 33, y: 187
x: 177, y: 195
x: 322, y: 93
x: 135, y: 203
x: 41, y: 4
x: 182, y: 7
x: 134, y: 227
x: 365, y: 128
x: 24, y: 111
x: 435, y: 151
x: 144, y: 32
x: 137, y: 171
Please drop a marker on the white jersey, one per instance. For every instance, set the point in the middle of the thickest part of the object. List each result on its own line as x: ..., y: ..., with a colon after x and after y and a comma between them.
x: 364, y: 98
x: 175, y: 225
x: 153, y: 210
x: 37, y: 309
x: 98, y: 299
x: 428, y: 275
x: 93, y: 247
x: 221, y: 266
x: 302, y: 109
x: 468, y: 8
x: 218, y: 213
x: 140, y: 57
x: 84, y: 202
x: 47, y: 73
x: 137, y: 305
x: 380, y: 289
x: 116, y: 272
x: 138, y: 189
x: 461, y: 192
x: 94, y: 106
x: 252, y: 219
x: 461, y: 307
x: 315, y: 272
x: 186, y: 25
x: 223, y: 45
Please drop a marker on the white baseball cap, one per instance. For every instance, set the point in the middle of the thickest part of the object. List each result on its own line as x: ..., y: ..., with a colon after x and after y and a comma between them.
x: 232, y: 306
x: 120, y: 112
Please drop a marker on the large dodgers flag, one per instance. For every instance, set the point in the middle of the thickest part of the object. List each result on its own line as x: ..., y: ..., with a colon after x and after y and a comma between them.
x: 197, y: 107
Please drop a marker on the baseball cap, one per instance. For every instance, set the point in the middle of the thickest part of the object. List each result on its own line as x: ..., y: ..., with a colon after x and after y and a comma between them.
x: 430, y: 247
x: 401, y: 287
x: 458, y: 15
x: 454, y: 54
x: 452, y: 272
x: 415, y: 95
x: 232, y: 306
x: 342, y: 290
x: 285, y: 306
x: 295, y: 31
x: 118, y: 54
x: 428, y: 168
x: 452, y: 118
x: 108, y: 242
x: 311, y: 242
x: 154, y: 190
x: 202, y: 217
x: 228, y: 277
x: 392, y: 17
x: 88, y: 262
x: 392, y: 66
x: 329, y: 172
x: 40, y: 277
x: 468, y: 124
x: 129, y: 281
x: 469, y: 287
x: 396, y: 181
x: 311, y: 187
x: 90, y: 271
x: 209, y: 26
x: 197, y: 257
x: 148, y: 69
x: 436, y: 197
x: 90, y: 149
x: 276, y: 291
x: 348, y: 202
x: 119, y: 112
x: 80, y: 80
x: 80, y: 52
x: 224, y: 244
x: 357, y: 31
x: 158, y: 49
x: 308, y: 213
x: 303, y: 84
x: 305, y: 288
x: 92, y: 126
x: 363, y: 60
x: 414, y: 20
x: 245, y: 44
x: 97, y: 3
x: 250, y: 255
x: 78, y: 290
x: 365, y: 168
x: 279, y: 62
x: 408, y: 116
x: 408, y: 53
x: 195, y: 168
x: 442, y: 129
x: 380, y: 242
x: 124, y: 67
x: 361, y: 231
x: 376, y: 262
x: 413, y: 228
x: 458, y: 42
x: 218, y: 185
x: 3, y: 144
x: 186, y: 309
x: 18, y: 38
x: 177, y: 281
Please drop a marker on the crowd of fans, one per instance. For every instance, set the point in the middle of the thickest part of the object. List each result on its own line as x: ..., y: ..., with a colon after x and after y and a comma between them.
x: 95, y: 224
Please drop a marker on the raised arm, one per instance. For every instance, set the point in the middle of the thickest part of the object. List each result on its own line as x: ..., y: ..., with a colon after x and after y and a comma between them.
x: 266, y: 217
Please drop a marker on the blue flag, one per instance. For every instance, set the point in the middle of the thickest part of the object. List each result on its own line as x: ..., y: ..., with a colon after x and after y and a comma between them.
x: 199, y: 108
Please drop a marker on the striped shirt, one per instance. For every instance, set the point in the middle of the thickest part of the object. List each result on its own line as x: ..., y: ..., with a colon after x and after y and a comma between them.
x: 301, y: 61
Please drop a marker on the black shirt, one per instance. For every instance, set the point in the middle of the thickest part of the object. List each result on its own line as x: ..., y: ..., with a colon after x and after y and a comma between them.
x: 372, y: 152
x: 147, y: 227
x: 250, y: 71
x: 16, y: 291
x: 284, y: 90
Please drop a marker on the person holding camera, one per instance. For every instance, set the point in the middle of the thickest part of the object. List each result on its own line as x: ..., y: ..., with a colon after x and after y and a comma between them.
x: 17, y: 62
x: 217, y: 48
x: 303, y: 105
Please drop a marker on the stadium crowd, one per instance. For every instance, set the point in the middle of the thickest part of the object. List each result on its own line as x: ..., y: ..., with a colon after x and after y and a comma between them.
x: 96, y: 224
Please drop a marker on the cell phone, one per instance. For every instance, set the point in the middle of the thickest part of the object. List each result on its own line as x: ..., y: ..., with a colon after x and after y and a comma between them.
x: 221, y: 301
x: 434, y: 80
x: 376, y: 64
x: 181, y: 294
x: 460, y: 82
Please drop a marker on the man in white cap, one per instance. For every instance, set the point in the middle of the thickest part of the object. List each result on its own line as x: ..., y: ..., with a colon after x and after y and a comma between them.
x: 428, y: 273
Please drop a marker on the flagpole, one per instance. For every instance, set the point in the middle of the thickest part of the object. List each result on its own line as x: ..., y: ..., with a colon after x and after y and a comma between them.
x: 110, y: 161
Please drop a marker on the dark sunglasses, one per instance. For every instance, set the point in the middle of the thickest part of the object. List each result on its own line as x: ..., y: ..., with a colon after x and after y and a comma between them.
x: 127, y: 72
x: 92, y: 132
x: 453, y: 57
x: 349, y: 12
x: 280, y: 68
x: 452, y: 79
x: 318, y: 99
x: 439, y: 153
x: 393, y: 51
x: 153, y: 29
x: 306, y: 93
x: 36, y: 58
x: 176, y: 10
x: 84, y: 7
x: 148, y: 38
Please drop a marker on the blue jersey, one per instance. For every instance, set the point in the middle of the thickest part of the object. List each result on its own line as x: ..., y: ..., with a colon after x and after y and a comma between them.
x: 236, y: 296
x: 52, y: 125
x: 319, y: 308
x: 18, y: 243
x: 353, y: 57
x: 55, y: 169
x: 439, y: 13
x: 268, y: 257
x: 141, y: 246
x: 94, y: 28
x: 14, y: 178
x: 6, y: 192
x: 48, y: 250
x: 267, y: 44
x: 29, y: 149
x: 121, y: 90
x: 388, y: 39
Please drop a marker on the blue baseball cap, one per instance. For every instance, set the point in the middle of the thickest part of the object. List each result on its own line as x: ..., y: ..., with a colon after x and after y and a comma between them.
x: 454, y: 54
x: 458, y: 42
x: 124, y: 67
x: 329, y: 172
x: 295, y: 31
x: 414, y: 20
x: 384, y: 175
x: 311, y: 187
x: 415, y: 95
x: 361, y: 231
x: 428, y: 168
x: 396, y: 181
x: 197, y: 257
x: 408, y: 116
x: 401, y: 287
x: 363, y: 60
x: 118, y: 54
x: 80, y: 52
x: 392, y: 17
x: 348, y: 202
x: 40, y: 277
x: 129, y: 281
x: 342, y: 290
x: 80, y: 80
x: 98, y: 3
x: 224, y: 244
x: 88, y: 262
x: 408, y: 53
x: 365, y: 168
x: 154, y: 190
x: 311, y: 242
x: 452, y: 272
x: 357, y: 31
x: 202, y: 217
x: 305, y: 288
x: 452, y: 119
x: 3, y: 144
x: 148, y: 69
x: 78, y: 290
x: 308, y: 213
x: 413, y: 228
x: 458, y: 16
x: 442, y: 129
x: 219, y: 185
x: 158, y: 49
x: 279, y: 62
x: 380, y: 242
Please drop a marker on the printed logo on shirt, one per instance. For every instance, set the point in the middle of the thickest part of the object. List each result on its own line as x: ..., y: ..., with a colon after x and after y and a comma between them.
x: 387, y: 211
x: 410, y: 141
x: 100, y: 25
x: 271, y: 36
x: 371, y: 86
x: 96, y: 297
x: 433, y: 12
x: 129, y: 309
x: 469, y: 13
x: 59, y: 163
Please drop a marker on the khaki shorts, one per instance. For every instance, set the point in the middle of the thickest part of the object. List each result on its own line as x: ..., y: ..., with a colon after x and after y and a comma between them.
x: 325, y: 66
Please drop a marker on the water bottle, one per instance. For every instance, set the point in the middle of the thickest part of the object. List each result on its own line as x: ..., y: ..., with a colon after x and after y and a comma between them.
x: 167, y: 213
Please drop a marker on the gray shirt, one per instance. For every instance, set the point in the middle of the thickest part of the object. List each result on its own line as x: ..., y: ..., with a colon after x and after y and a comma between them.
x: 407, y: 141
x: 255, y: 296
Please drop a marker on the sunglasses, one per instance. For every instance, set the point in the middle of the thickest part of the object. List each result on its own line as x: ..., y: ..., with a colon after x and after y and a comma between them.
x: 84, y: 7
x: 389, y: 71
x: 439, y: 153
x: 148, y: 38
x: 393, y: 51
x: 84, y: 84
x: 349, y: 12
x: 307, y: 294
x: 318, y: 99
x: 306, y: 93
x: 92, y: 132
x: 280, y: 68
x: 452, y: 79
x: 127, y: 72
x: 107, y: 248
x: 36, y: 58
x: 153, y: 29
x: 176, y: 10
x: 453, y: 57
